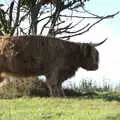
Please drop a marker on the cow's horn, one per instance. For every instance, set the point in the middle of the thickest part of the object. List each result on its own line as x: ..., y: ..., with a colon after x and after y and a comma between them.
x: 97, y: 44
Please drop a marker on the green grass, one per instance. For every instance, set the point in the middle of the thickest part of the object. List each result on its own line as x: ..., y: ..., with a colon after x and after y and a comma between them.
x: 59, y: 109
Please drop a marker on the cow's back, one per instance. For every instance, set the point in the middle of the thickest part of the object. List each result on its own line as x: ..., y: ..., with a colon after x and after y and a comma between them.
x: 36, y: 54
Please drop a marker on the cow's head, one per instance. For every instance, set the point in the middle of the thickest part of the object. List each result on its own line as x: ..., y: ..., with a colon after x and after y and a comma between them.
x: 90, y: 56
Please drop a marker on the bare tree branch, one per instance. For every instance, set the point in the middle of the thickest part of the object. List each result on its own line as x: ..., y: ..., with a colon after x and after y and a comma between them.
x: 57, y: 18
x: 79, y: 33
x: 44, y: 26
x: 17, y: 18
x: 10, y: 13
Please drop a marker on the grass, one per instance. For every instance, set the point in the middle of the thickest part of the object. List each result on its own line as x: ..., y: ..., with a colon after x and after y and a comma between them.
x: 89, y: 103
x: 59, y: 109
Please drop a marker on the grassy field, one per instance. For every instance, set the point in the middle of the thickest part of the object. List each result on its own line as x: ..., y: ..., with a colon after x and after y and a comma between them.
x: 59, y: 109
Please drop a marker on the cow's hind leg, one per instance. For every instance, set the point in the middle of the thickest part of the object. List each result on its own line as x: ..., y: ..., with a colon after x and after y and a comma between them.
x: 51, y: 92
x: 52, y: 84
x: 61, y: 91
x: 54, y: 91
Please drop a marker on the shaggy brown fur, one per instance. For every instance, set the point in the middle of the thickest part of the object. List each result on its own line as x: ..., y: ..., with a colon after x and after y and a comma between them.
x: 38, y: 55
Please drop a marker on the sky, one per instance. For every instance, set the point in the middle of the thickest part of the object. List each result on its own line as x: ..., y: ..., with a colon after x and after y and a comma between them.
x: 109, y: 67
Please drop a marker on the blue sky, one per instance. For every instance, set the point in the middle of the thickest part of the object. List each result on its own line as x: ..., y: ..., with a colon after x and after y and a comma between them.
x: 104, y: 7
x: 109, y: 52
x: 3, y: 1
x: 109, y: 67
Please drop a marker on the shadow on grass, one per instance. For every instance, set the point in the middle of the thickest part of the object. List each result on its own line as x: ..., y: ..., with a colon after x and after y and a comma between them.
x: 107, y: 96
x: 110, y: 96
x: 113, y: 117
x: 91, y: 94
x: 73, y: 93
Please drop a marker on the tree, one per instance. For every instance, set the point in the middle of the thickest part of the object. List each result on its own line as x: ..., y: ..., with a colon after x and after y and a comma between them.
x: 53, y: 17
x: 56, y: 18
x: 8, y: 25
x: 51, y: 10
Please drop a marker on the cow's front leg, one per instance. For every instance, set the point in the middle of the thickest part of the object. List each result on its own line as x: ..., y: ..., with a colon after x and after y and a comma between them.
x: 51, y: 93
x: 61, y: 91
x: 53, y: 89
x: 56, y: 91
x: 52, y: 80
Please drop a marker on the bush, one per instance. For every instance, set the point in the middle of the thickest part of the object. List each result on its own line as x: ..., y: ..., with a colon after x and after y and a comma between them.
x: 12, y: 87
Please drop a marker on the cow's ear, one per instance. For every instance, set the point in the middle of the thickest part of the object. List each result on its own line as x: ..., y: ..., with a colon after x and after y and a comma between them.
x: 86, y: 50
x: 89, y: 49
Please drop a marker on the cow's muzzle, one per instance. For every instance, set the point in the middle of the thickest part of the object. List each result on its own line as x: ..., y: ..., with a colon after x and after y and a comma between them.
x: 93, y: 67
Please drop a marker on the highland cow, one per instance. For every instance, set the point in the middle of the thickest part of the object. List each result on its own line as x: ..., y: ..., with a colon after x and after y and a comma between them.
x: 57, y: 59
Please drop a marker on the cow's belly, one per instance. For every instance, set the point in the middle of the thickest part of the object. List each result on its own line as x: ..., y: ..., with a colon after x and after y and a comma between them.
x: 27, y: 68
